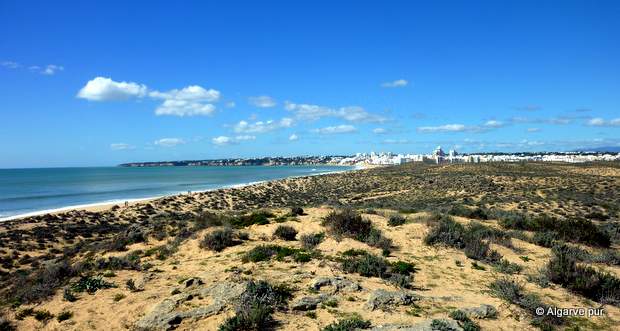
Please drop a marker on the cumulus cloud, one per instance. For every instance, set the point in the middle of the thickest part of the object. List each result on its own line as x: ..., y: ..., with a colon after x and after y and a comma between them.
x: 121, y: 147
x: 443, y: 128
x: 169, y: 142
x: 193, y: 100
x: 350, y: 113
x: 343, y: 128
x: 379, y: 131
x: 395, y: 83
x: 597, y: 121
x: 224, y: 140
x: 293, y: 137
x: 262, y: 101
x: 51, y: 69
x: 105, y: 89
x: 262, y: 126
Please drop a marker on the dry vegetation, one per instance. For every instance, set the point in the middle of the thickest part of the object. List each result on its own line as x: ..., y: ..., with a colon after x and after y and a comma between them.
x: 427, y: 247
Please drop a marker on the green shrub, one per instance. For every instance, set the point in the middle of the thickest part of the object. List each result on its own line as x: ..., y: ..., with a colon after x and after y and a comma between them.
x: 285, y: 232
x: 396, y: 220
x: 258, y: 217
x: 218, y: 240
x: 256, y: 305
x: 585, y: 280
x: 5, y: 323
x: 68, y: 295
x: 310, y: 241
x: 91, y: 285
x: 545, y: 239
x: 507, y: 267
x: 43, y: 315
x: 471, y: 213
x: 297, y: 211
x: 349, y: 324
x: 348, y: 223
x: 65, y: 315
x: 361, y: 262
x: 464, y: 321
x: 446, y: 232
x: 266, y: 252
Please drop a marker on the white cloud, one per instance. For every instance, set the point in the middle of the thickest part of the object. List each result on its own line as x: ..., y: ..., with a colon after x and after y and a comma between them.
x: 51, y: 69
x: 343, y: 128
x: 262, y: 126
x: 193, y: 100
x: 230, y: 104
x: 379, y: 131
x: 121, y: 147
x: 529, y: 108
x: 396, y: 83
x: 189, y: 93
x: 395, y: 141
x: 104, y: 89
x: 443, y: 128
x: 493, y: 124
x: 10, y: 64
x: 184, y: 108
x: 602, y: 122
x: 263, y: 101
x: 169, y: 142
x: 224, y: 140
x: 533, y: 129
x: 350, y: 113
x: 293, y: 137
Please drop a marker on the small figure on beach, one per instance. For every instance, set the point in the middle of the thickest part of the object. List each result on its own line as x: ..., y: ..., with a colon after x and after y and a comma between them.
x: 126, y: 203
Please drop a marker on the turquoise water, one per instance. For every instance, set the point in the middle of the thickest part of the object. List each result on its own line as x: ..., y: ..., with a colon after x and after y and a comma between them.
x: 25, y: 191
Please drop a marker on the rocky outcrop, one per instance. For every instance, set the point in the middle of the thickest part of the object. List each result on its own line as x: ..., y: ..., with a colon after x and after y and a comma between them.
x: 427, y: 325
x: 309, y: 303
x: 336, y: 284
x: 382, y: 299
x: 167, y: 315
x: 481, y: 312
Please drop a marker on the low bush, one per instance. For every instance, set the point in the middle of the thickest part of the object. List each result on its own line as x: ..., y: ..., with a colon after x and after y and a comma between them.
x: 585, y: 280
x: 545, y: 239
x: 471, y: 213
x: 310, y: 241
x: 576, y: 230
x: 68, y: 295
x: 91, y: 285
x: 506, y: 267
x: 464, y: 321
x: 349, y: 324
x: 348, y: 223
x: 365, y: 264
x: 64, y: 315
x: 43, y: 315
x: 513, y: 292
x: 5, y: 323
x: 297, y: 211
x: 396, y: 220
x: 218, y: 240
x: 256, y: 305
x: 266, y: 252
x: 285, y: 232
x: 208, y: 219
x: 258, y: 217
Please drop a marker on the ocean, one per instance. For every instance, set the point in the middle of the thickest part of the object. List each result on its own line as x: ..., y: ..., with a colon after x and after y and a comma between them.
x: 26, y: 192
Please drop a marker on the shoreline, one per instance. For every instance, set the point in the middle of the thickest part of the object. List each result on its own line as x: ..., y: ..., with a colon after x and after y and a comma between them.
x: 105, y: 205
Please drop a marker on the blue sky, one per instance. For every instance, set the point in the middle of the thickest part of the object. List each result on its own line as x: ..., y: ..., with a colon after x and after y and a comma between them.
x: 104, y: 82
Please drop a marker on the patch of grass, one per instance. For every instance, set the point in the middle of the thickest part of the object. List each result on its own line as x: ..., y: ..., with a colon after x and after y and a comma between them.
x: 476, y: 266
x: 310, y: 241
x: 64, y: 315
x: 333, y: 303
x: 310, y: 314
x: 68, y: 295
x: 471, y: 213
x: 256, y: 305
x: 545, y: 239
x: 464, y: 321
x: 349, y: 324
x: 5, y: 323
x: 506, y: 267
x: 297, y: 211
x: 285, y: 232
x: 258, y: 217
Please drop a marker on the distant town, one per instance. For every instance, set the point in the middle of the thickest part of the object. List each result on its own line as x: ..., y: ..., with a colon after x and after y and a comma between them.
x: 438, y: 156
